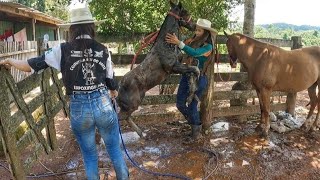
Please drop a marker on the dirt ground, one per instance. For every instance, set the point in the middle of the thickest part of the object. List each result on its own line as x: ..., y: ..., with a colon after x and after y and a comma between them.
x: 235, y: 152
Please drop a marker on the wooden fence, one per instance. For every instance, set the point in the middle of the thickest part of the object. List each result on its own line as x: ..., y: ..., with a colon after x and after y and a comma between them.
x: 20, y: 50
x: 15, y: 110
x: 219, y: 77
x: 47, y: 96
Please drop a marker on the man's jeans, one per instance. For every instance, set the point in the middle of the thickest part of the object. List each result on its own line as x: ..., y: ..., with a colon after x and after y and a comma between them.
x: 190, y: 112
x: 91, y: 110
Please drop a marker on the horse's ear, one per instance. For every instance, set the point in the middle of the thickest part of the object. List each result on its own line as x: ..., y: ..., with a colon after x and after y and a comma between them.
x: 179, y: 5
x: 226, y: 34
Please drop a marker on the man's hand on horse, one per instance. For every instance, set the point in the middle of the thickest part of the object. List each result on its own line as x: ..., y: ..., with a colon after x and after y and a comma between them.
x: 113, y: 94
x: 172, y: 38
x: 6, y: 63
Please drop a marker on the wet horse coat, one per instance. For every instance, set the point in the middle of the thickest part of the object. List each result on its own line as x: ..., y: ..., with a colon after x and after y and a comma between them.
x: 271, y: 68
x: 159, y: 63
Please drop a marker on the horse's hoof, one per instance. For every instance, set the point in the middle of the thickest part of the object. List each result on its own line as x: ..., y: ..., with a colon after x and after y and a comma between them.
x: 264, y: 134
x: 197, y: 71
x: 259, y: 129
x: 189, y: 100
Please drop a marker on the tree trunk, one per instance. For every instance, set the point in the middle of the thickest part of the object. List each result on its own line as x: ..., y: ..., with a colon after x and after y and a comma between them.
x: 248, y: 29
x: 248, y: 22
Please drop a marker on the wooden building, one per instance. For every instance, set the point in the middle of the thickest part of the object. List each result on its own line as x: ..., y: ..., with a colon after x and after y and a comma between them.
x: 14, y: 17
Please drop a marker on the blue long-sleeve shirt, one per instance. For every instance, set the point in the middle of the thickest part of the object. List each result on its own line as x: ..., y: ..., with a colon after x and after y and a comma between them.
x: 201, y: 54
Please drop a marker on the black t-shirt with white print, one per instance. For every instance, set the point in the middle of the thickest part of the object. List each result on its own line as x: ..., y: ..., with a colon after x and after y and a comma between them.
x: 81, y: 70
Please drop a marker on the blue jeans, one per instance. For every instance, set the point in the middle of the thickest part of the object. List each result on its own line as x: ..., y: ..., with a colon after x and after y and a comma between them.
x: 93, y: 110
x: 190, y: 112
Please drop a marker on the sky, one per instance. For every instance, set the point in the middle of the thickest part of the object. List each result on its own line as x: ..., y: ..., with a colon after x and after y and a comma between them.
x: 305, y: 12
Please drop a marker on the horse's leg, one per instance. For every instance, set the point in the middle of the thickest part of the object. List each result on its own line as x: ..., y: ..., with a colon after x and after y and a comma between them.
x: 134, y: 126
x: 313, y: 102
x: 193, y: 82
x: 183, y: 68
x: 265, y: 110
x: 194, y: 73
x: 259, y: 127
x: 291, y: 103
x: 316, y: 124
x: 129, y: 100
x: 127, y: 116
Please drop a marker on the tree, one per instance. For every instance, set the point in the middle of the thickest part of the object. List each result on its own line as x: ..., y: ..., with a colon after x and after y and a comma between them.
x: 57, y: 8
x: 248, y: 29
x: 315, y: 33
x: 41, y: 5
x: 36, y: 4
x: 126, y: 17
x: 248, y: 23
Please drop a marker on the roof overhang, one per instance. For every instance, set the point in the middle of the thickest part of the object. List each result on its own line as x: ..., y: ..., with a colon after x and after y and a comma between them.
x: 14, y: 9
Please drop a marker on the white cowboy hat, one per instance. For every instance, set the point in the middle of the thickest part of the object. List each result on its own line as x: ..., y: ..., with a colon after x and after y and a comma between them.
x: 79, y: 13
x: 206, y: 24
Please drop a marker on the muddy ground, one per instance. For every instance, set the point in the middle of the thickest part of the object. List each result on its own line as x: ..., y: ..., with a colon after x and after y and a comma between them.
x: 232, y: 152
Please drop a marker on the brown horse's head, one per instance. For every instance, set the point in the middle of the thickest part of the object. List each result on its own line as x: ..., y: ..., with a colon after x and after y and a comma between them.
x: 182, y: 15
x: 231, y: 50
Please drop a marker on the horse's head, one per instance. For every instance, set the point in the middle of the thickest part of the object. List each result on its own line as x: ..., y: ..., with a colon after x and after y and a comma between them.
x: 182, y: 15
x: 231, y: 49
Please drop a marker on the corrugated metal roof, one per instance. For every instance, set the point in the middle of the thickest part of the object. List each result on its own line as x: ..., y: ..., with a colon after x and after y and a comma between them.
x: 26, y: 9
x: 8, y: 1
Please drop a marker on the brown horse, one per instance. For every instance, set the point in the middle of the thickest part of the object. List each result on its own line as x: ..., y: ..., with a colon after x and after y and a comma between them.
x: 271, y: 68
x: 160, y: 62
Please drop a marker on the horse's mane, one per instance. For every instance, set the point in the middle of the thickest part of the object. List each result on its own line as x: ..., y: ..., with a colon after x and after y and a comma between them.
x: 258, y: 43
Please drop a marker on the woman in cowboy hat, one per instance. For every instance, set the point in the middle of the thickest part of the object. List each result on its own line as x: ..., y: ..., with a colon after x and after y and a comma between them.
x: 199, y: 49
x: 87, y: 74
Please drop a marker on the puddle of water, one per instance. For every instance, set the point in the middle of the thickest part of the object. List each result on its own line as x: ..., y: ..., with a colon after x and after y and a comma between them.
x: 72, y: 164
x: 72, y: 176
x: 130, y: 137
x: 220, y: 127
x: 152, y: 150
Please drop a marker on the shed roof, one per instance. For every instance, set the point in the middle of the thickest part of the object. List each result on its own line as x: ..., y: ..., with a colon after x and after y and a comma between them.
x: 19, y: 10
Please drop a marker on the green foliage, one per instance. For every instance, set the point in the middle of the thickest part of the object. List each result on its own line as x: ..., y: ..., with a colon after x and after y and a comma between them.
x: 55, y: 8
x: 126, y: 17
x: 36, y: 4
x: 58, y: 8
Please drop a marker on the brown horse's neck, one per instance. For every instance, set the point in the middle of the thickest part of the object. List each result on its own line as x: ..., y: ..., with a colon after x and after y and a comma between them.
x: 249, y: 50
x: 243, y: 54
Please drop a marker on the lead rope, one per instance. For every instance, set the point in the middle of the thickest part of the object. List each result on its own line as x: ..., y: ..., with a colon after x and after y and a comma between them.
x: 135, y: 164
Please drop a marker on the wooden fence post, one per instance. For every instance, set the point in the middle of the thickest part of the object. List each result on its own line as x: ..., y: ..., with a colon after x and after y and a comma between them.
x: 8, y: 138
x: 291, y: 97
x: 206, y: 107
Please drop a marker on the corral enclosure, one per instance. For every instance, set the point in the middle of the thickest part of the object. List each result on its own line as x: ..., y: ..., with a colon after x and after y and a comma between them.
x: 27, y: 94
